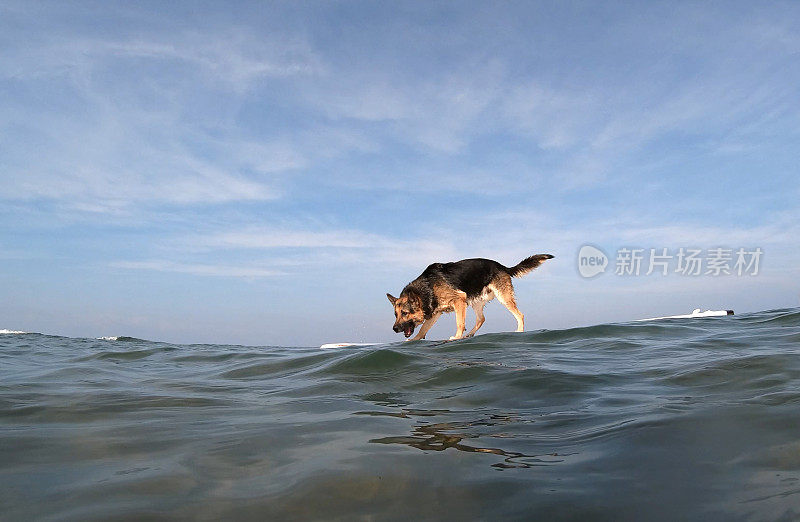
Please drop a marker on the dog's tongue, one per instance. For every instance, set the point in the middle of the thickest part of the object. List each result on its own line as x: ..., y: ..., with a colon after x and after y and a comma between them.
x: 409, y: 331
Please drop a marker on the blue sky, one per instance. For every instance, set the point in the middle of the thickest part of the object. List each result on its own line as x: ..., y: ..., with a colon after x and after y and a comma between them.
x: 263, y: 172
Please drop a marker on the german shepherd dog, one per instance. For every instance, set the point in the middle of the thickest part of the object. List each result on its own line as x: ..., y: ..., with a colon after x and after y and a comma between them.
x: 448, y: 287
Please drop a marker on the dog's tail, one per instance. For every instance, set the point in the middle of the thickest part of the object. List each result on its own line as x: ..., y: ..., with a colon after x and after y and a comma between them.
x: 528, y: 264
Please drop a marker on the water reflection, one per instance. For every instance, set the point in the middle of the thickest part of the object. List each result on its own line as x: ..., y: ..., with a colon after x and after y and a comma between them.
x: 441, y: 436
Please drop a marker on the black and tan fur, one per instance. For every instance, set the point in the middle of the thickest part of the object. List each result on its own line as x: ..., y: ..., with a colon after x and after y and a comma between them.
x: 451, y: 287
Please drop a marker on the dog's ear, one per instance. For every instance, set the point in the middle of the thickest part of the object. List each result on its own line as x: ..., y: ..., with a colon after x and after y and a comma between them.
x: 392, y: 298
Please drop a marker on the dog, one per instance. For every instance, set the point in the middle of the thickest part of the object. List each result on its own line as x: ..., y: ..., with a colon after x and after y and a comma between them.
x: 451, y: 287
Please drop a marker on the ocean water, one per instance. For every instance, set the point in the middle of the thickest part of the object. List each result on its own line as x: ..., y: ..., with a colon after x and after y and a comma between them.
x: 683, y: 419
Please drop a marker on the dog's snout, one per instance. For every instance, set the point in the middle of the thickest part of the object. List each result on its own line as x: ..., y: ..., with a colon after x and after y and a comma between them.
x: 396, y: 328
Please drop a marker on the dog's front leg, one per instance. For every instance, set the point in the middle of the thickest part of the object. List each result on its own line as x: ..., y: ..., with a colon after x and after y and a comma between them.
x: 460, y: 307
x: 426, y: 325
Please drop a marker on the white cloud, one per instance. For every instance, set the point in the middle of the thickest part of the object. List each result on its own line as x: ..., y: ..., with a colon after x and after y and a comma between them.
x: 159, y: 116
x: 343, y: 247
x: 116, y: 130
x: 436, y: 113
x: 287, y: 251
x: 247, y: 272
x: 234, y: 57
x: 277, y: 238
x: 91, y: 169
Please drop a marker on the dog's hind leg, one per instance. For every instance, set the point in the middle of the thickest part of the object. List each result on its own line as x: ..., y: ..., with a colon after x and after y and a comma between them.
x: 460, y: 307
x: 477, y: 305
x: 504, y: 291
x: 423, y: 330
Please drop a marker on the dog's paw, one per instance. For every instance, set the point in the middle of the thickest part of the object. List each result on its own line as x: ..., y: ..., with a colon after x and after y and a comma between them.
x: 454, y: 338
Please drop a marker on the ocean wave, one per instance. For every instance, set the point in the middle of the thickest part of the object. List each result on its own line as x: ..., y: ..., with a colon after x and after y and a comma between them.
x: 662, y: 420
x: 778, y: 317
x: 123, y: 338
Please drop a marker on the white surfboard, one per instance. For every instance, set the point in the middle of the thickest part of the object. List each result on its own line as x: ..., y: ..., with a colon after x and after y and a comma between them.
x: 695, y: 313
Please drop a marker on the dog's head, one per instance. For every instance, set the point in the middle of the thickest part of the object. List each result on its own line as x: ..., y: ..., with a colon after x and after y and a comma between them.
x: 408, y: 313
